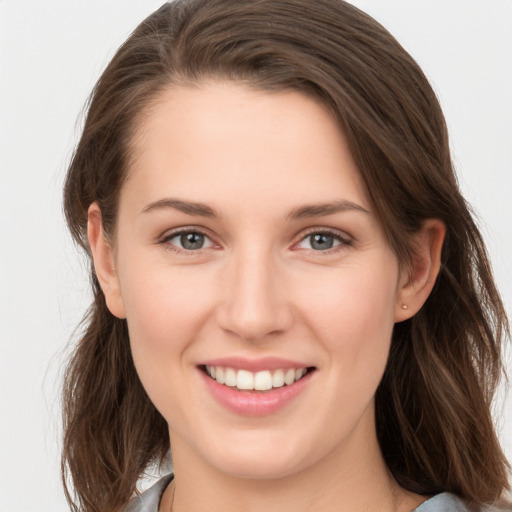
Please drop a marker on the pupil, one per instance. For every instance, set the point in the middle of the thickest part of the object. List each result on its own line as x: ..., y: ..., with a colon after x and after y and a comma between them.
x: 322, y: 242
x: 191, y: 241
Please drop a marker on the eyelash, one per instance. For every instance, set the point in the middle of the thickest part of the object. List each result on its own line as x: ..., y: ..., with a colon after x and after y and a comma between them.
x: 344, y: 240
x: 180, y: 232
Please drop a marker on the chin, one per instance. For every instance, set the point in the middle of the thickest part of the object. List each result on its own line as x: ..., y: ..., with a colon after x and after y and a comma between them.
x: 250, y: 469
x: 263, y: 460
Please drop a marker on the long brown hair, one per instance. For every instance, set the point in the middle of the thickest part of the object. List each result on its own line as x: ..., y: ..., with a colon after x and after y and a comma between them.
x: 433, y: 405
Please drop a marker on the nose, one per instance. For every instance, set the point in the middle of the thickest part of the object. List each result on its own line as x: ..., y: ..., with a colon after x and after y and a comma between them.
x: 254, y: 302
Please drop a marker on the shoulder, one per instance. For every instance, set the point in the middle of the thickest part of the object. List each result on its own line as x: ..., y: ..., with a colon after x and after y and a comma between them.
x: 447, y: 502
x: 149, y: 500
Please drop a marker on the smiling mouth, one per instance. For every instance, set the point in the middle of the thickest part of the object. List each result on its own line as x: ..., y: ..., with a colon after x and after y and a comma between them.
x: 265, y: 380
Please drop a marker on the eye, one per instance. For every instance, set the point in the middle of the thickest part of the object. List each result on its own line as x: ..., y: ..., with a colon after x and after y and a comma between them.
x: 322, y: 241
x: 189, y: 240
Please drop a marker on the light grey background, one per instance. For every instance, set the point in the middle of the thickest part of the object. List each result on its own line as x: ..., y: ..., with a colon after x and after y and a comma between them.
x: 51, y: 53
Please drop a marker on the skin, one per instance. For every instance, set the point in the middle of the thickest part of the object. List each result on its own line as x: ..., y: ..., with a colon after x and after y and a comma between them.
x: 259, y: 288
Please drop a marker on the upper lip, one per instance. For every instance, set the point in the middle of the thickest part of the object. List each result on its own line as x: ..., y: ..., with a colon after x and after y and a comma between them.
x: 255, y: 365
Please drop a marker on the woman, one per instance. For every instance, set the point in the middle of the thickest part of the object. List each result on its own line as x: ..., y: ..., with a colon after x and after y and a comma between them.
x: 290, y: 291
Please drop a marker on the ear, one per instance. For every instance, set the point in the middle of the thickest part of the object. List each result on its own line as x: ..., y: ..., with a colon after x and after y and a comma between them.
x: 418, y: 279
x: 104, y: 261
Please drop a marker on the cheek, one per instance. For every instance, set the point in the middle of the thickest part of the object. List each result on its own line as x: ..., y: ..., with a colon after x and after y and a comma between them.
x: 164, y: 306
x: 352, y: 315
x: 353, y: 300
x: 165, y: 310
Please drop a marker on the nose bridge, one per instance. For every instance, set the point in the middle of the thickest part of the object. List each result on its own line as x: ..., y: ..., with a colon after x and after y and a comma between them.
x: 254, y: 303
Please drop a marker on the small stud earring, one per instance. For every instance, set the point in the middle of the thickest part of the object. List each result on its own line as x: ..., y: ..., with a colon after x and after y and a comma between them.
x: 405, y: 306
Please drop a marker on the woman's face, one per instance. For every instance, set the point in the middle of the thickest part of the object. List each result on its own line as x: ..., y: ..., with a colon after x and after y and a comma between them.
x: 247, y: 248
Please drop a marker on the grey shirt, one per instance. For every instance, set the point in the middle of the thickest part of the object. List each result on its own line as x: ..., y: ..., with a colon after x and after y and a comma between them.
x: 149, y: 501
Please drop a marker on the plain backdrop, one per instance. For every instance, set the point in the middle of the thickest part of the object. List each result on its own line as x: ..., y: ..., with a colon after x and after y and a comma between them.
x: 51, y: 53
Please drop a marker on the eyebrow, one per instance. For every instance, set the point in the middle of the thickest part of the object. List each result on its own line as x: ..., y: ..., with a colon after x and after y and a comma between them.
x: 302, y: 212
x: 188, y: 207
x: 319, y: 210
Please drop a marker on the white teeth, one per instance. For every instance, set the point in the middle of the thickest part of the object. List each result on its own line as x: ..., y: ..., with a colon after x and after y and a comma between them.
x: 220, y: 376
x: 262, y: 381
x: 231, y: 379
x: 259, y: 381
x: 289, y: 377
x: 245, y: 380
x: 278, y: 379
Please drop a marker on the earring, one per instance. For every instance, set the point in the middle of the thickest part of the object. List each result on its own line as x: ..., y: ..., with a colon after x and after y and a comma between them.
x: 404, y: 306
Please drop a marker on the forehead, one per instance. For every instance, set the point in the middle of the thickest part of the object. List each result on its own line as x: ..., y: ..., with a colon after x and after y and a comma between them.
x: 218, y: 142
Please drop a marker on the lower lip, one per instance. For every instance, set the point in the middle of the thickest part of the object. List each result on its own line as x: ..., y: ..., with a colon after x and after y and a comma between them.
x: 255, y: 403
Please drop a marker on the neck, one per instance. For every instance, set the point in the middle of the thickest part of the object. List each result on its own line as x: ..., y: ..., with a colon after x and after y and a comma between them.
x: 347, y: 481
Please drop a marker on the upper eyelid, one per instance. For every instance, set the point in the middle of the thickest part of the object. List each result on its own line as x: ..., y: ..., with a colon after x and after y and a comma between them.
x: 171, y: 233
x: 331, y: 231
